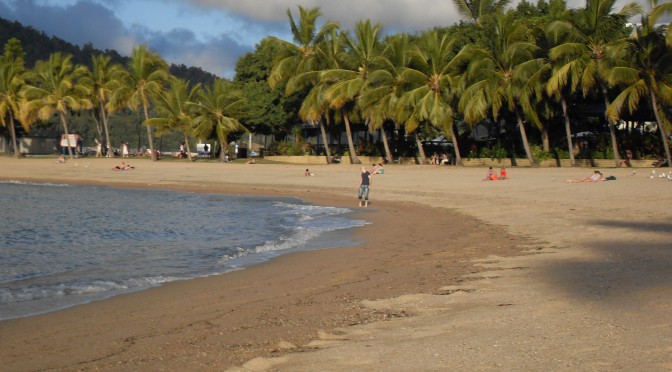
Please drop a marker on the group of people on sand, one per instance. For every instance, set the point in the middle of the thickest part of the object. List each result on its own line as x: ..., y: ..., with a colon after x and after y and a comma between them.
x: 492, y: 175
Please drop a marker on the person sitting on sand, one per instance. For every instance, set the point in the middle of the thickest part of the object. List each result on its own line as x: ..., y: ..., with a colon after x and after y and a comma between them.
x: 307, y: 173
x: 596, y: 177
x: 381, y: 170
x: 502, y: 173
x: 123, y: 166
x: 492, y: 176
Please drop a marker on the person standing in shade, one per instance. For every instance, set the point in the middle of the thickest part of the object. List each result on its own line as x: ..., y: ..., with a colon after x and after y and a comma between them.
x: 364, y: 187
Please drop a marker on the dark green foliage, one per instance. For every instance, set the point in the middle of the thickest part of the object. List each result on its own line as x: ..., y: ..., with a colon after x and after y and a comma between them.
x: 267, y: 110
x: 39, y: 46
x: 194, y: 75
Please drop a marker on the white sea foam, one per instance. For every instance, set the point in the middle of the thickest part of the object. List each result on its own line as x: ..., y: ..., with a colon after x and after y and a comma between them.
x: 54, y: 258
x: 17, y: 182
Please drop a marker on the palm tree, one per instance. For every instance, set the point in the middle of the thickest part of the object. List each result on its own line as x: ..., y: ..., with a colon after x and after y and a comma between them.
x: 348, y: 82
x: 217, y: 108
x: 303, y: 61
x: 506, y: 75
x: 380, y: 97
x: 102, y: 81
x: 11, y: 82
x: 174, y: 111
x: 594, y: 28
x: 646, y: 72
x: 477, y: 10
x: 54, y: 88
x: 145, y: 77
x: 436, y: 67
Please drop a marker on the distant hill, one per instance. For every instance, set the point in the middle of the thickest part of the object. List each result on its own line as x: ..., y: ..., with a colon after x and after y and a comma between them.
x: 39, y: 46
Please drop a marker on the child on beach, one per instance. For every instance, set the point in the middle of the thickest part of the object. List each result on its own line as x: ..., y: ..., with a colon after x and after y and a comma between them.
x: 492, y: 176
x: 307, y: 173
x: 502, y: 173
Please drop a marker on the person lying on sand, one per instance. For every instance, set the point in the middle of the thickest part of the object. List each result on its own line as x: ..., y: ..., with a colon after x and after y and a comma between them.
x: 123, y: 166
x: 596, y: 177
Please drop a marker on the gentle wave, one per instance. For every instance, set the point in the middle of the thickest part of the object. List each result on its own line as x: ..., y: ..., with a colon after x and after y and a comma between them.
x: 17, y: 182
x: 66, y: 246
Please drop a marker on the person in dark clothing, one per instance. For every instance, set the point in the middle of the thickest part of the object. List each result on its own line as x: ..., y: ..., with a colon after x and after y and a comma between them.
x: 364, y: 187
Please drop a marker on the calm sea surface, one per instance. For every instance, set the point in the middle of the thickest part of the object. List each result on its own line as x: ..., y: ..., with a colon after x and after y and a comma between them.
x: 62, y: 245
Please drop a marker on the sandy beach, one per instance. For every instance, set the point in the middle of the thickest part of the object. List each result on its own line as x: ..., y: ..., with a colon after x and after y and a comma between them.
x: 453, y: 273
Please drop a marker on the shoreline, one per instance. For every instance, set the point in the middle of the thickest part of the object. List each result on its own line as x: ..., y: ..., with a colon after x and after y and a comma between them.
x: 450, y: 264
x: 350, y: 275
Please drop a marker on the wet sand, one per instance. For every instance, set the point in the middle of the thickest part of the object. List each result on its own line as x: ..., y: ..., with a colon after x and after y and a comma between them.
x: 453, y: 273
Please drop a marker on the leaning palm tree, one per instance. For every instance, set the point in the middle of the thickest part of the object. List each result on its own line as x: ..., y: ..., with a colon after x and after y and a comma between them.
x: 433, y: 82
x: 217, y: 107
x: 563, y: 81
x: 646, y: 72
x: 173, y: 110
x: 507, y: 75
x: 145, y: 77
x: 53, y: 88
x: 102, y: 81
x: 11, y: 82
x: 594, y: 28
x: 348, y: 82
x: 301, y: 62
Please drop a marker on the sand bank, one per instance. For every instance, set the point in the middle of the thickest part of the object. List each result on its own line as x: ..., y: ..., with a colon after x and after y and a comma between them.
x: 454, y: 273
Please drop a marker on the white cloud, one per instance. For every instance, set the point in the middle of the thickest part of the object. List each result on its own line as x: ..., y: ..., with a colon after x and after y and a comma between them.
x: 405, y: 15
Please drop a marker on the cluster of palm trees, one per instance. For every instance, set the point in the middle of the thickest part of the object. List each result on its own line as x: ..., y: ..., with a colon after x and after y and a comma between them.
x: 524, y: 70
x: 56, y: 87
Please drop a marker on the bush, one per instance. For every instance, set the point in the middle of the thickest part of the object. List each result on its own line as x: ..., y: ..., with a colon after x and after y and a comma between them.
x: 560, y: 153
x: 497, y: 152
x: 286, y: 148
x: 540, y: 155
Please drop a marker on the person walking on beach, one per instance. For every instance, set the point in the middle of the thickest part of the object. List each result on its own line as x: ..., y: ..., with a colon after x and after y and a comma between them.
x: 364, y: 186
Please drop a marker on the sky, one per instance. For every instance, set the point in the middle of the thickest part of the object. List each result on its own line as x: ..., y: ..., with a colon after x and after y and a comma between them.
x: 210, y: 34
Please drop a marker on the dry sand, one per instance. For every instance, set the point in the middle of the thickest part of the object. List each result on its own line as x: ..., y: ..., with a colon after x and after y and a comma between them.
x: 454, y: 273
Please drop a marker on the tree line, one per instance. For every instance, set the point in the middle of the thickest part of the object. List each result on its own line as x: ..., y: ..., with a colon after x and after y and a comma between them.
x: 529, y: 64
x: 58, y: 88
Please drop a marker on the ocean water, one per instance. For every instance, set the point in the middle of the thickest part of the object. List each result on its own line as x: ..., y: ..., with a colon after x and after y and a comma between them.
x: 63, y: 245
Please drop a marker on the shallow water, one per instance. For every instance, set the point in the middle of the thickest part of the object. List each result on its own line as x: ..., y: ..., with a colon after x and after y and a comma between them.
x: 62, y: 245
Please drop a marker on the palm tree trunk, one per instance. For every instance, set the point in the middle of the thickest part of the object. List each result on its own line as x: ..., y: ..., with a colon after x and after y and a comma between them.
x: 222, y: 153
x: 12, y: 131
x: 386, y: 146
x: 458, y: 157
x: 612, y: 127
x: 149, y: 132
x: 661, y: 127
x: 67, y: 133
x: 568, y: 131
x: 186, y: 142
x: 327, y: 151
x: 351, y: 146
x: 526, y: 144
x: 107, y: 131
x: 421, y: 151
x: 544, y: 139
